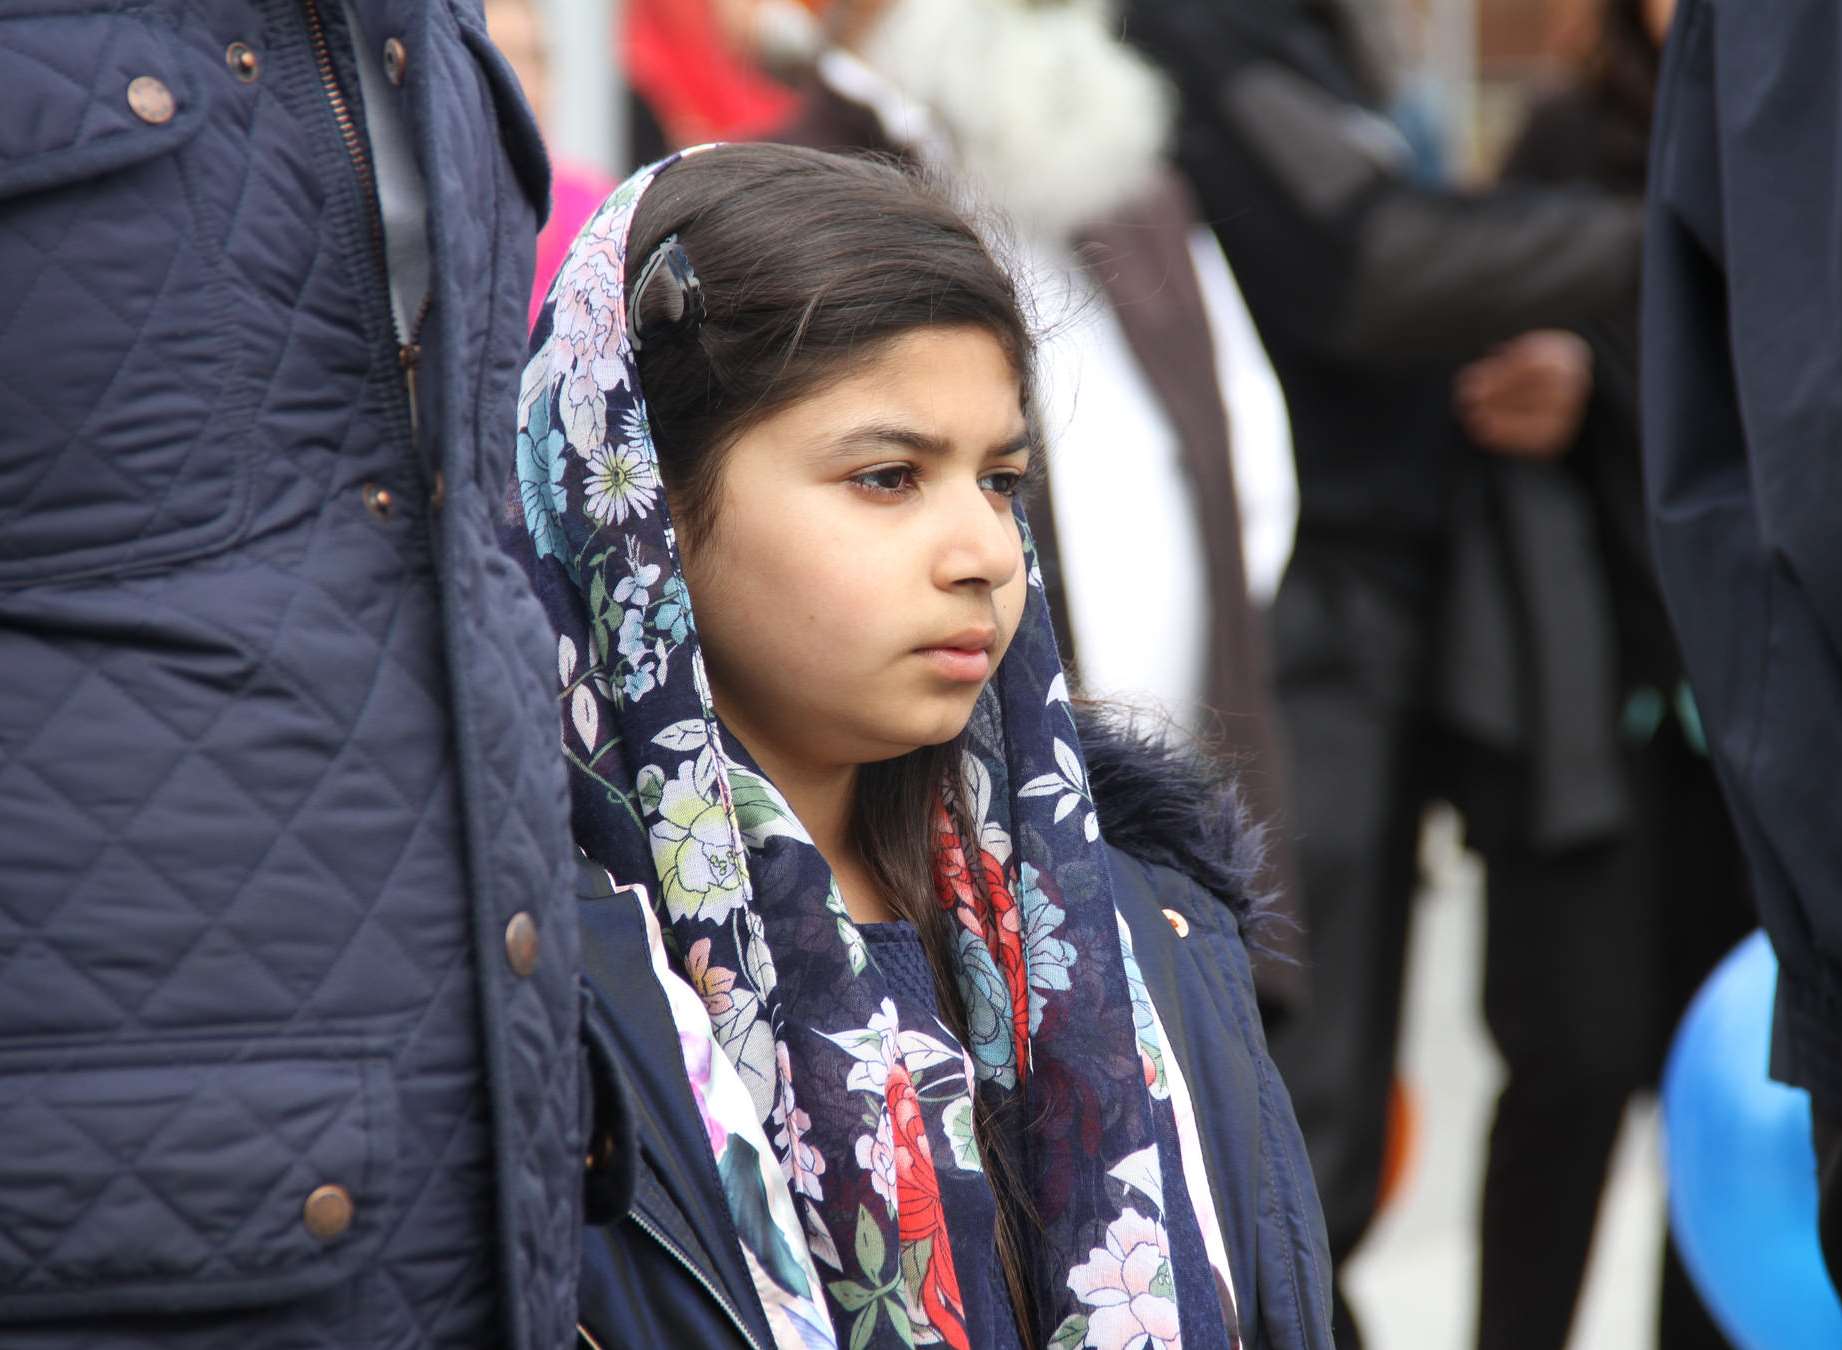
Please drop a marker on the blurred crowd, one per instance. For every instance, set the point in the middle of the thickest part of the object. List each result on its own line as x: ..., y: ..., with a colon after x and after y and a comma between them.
x: 1354, y: 451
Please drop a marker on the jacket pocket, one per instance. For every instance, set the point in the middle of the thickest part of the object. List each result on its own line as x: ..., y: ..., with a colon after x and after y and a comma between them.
x: 125, y: 420
x: 161, y: 1179
x: 74, y: 78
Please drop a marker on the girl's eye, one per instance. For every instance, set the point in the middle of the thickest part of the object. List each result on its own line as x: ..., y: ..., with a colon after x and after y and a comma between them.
x: 1005, y: 482
x: 890, y: 482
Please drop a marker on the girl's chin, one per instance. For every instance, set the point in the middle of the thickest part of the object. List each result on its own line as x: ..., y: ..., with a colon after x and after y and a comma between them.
x: 916, y: 733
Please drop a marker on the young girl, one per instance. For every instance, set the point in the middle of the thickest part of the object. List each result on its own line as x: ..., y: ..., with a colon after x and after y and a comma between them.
x: 909, y: 1051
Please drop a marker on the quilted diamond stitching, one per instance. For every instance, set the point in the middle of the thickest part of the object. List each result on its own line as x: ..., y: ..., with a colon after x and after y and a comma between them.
x: 151, y: 519
x: 219, y: 1093
x: 25, y: 501
x: 92, y: 105
x: 124, y: 1174
x: 154, y: 791
x: 462, y: 1130
x: 87, y: 86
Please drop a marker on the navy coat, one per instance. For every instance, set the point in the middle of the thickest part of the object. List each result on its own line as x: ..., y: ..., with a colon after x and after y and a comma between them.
x: 662, y: 1265
x: 1742, y: 395
x: 278, y: 766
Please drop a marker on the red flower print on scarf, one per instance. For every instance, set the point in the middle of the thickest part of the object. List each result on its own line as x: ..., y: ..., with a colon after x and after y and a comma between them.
x: 999, y: 922
x: 1006, y: 927
x: 952, y: 877
x: 920, y: 1215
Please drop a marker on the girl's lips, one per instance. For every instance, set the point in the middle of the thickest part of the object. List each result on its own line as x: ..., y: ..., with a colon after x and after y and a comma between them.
x: 964, y: 665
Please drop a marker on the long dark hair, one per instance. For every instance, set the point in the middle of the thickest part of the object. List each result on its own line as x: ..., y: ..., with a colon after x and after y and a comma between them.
x: 808, y: 264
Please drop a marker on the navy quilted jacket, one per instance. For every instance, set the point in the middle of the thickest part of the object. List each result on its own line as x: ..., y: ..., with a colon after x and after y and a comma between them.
x: 288, y: 1017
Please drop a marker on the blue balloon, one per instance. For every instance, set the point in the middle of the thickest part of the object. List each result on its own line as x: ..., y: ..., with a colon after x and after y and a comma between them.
x: 1742, y: 1173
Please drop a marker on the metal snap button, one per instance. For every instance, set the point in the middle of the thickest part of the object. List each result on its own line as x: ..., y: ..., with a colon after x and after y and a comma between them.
x: 150, y: 100
x: 243, y: 62
x: 1178, y: 922
x: 328, y: 1212
x: 380, y: 501
x: 521, y: 943
x: 396, y: 57
x: 439, y: 492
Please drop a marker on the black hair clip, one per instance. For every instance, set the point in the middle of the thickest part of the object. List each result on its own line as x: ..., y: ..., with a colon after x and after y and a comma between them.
x: 678, y: 311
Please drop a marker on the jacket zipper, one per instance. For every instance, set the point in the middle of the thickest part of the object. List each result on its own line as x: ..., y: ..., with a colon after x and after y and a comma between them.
x: 652, y: 1231
x: 408, y: 355
x: 409, y: 351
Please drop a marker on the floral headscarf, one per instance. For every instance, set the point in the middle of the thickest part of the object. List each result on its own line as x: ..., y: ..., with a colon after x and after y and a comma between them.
x: 876, y: 1228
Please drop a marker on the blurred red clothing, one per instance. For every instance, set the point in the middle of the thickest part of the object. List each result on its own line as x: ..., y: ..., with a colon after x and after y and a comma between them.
x: 698, y: 87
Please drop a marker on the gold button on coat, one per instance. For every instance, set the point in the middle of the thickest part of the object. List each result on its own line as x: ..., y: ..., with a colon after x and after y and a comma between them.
x: 150, y: 100
x: 1178, y: 922
x: 328, y: 1212
x: 396, y: 58
x: 379, y: 501
x: 243, y: 62
x: 521, y: 943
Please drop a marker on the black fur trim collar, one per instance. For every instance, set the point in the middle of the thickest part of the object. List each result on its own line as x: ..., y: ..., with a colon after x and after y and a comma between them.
x: 1172, y: 807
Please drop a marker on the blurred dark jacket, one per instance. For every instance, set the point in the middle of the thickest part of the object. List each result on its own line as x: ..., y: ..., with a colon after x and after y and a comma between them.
x: 1139, y: 257
x: 1367, y: 288
x: 1597, y: 133
x: 1556, y: 627
x: 1742, y: 383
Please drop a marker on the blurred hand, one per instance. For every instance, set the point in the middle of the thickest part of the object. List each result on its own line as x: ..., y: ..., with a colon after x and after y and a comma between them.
x: 1528, y: 397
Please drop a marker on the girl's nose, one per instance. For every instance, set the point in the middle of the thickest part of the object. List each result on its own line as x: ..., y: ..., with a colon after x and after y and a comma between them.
x: 981, y: 546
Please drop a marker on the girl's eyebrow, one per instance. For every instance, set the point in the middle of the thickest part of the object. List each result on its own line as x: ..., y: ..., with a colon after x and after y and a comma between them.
x: 871, y: 435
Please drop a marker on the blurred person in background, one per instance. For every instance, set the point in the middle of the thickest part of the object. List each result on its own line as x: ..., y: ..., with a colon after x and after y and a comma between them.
x: 519, y: 31
x: 288, y: 1003
x: 683, y: 84
x: 1063, y: 129
x: 1616, y: 882
x: 692, y: 82
x: 1369, y: 290
x: 1742, y: 385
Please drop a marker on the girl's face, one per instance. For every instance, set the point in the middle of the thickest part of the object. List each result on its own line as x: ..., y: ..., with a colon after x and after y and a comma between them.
x: 864, y: 573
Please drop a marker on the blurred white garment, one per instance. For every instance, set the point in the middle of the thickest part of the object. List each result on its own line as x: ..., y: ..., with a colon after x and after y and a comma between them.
x: 1259, y: 429
x: 1133, y: 565
x: 906, y: 121
x: 1051, y: 117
